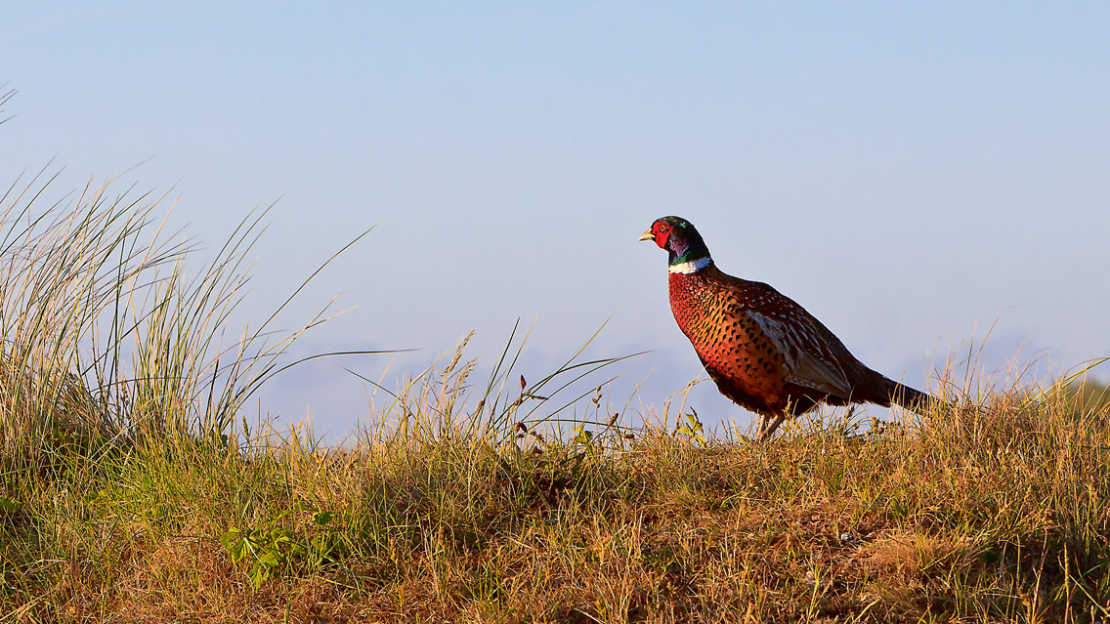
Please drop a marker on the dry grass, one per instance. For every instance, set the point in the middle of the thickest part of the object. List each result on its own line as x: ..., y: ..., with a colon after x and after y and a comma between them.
x: 995, y: 514
x: 129, y: 492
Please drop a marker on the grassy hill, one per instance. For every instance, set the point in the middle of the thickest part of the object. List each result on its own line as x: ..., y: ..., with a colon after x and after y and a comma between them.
x: 997, y: 513
x: 131, y: 489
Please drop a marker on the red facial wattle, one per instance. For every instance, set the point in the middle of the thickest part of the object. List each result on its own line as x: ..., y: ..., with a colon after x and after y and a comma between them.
x: 662, y: 233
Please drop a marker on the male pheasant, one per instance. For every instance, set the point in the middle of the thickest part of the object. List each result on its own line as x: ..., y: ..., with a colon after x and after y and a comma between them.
x: 764, y: 352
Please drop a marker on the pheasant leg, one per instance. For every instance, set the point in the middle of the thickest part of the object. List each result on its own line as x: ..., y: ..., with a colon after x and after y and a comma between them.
x: 768, y: 427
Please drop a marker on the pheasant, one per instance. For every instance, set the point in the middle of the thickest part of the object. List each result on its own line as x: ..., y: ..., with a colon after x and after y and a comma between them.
x: 763, y: 350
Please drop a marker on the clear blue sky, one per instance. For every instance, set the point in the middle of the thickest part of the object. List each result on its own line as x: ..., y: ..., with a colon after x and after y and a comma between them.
x: 907, y: 171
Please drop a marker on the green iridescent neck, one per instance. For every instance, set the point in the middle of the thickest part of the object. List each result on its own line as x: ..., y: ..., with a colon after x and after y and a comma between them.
x: 688, y: 249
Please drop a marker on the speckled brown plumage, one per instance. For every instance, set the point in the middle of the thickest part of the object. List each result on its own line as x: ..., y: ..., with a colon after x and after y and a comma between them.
x: 763, y: 350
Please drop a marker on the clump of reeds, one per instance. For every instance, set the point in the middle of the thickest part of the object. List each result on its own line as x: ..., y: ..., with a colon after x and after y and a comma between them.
x: 110, y: 330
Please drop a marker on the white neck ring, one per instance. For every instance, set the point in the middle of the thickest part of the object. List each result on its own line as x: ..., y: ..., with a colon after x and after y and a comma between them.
x: 692, y: 266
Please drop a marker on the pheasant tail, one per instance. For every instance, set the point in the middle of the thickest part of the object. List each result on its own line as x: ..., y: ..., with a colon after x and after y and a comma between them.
x: 908, y: 398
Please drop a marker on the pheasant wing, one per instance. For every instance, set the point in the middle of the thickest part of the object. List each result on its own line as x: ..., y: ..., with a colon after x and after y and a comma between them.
x: 810, y: 360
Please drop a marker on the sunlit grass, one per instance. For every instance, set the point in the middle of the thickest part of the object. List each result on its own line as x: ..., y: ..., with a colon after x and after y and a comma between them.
x: 132, y: 488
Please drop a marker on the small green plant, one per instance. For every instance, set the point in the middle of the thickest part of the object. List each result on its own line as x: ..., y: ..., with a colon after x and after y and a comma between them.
x: 264, y: 550
x: 582, y: 435
x: 692, y: 429
x: 272, y: 547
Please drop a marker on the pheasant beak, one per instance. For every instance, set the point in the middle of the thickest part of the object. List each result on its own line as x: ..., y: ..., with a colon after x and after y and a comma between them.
x: 647, y: 236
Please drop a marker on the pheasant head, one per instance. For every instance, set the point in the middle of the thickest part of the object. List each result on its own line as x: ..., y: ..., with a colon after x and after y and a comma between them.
x: 685, y: 247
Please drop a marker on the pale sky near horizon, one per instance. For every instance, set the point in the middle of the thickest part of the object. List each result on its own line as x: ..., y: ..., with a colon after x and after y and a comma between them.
x: 910, y: 173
